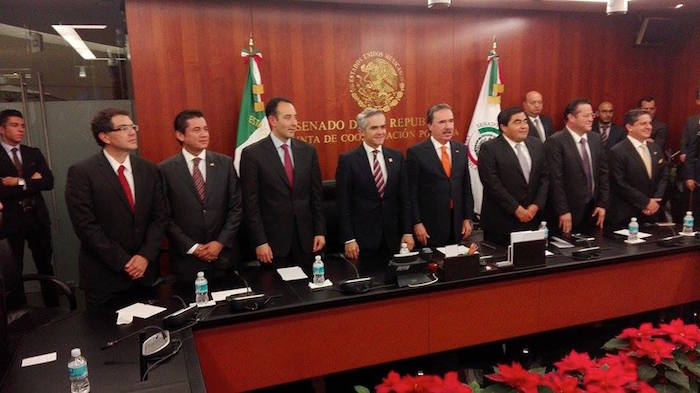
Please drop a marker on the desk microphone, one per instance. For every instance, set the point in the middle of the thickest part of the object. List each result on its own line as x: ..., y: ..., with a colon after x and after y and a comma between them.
x: 245, y: 283
x: 158, y: 338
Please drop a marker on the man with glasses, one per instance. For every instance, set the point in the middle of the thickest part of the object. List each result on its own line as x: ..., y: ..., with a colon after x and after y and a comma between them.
x: 115, y: 202
x: 25, y: 175
x: 578, y: 169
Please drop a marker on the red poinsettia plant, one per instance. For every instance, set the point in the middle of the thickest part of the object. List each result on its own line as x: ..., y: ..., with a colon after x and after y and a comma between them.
x: 645, y: 359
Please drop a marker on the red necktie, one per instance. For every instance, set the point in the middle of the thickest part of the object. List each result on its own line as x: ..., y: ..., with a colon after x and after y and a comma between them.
x: 126, y: 188
x: 288, y: 167
x: 377, y: 174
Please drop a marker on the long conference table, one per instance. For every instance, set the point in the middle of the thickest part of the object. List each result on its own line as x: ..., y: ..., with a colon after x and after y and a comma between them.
x: 303, y: 333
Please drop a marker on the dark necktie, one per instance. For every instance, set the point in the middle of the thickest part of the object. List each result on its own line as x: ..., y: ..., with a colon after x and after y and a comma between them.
x: 586, y: 169
x: 377, y: 173
x: 16, y: 161
x: 288, y: 167
x: 126, y: 188
x: 604, y: 134
x: 198, y: 178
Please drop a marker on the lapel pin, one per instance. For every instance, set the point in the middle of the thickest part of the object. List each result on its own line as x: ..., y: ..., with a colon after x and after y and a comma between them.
x: 661, y: 161
x: 456, y: 150
x: 391, y: 159
x: 211, y: 164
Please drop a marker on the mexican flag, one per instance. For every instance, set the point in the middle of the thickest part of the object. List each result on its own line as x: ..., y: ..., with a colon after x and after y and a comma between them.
x: 252, y: 123
x: 484, y: 125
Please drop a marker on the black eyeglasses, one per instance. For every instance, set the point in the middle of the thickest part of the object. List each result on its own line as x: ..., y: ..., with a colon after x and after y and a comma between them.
x: 127, y: 128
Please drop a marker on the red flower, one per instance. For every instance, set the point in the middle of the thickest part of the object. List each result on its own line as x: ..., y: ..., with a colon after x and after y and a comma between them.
x: 622, y: 364
x: 516, y: 376
x: 575, y: 361
x: 561, y: 383
x: 643, y: 387
x: 394, y: 383
x: 680, y: 333
x: 645, y: 331
x: 605, y: 380
x: 656, y: 350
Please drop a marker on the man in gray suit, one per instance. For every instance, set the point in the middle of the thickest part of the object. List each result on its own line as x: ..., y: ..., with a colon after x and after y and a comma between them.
x: 204, y: 202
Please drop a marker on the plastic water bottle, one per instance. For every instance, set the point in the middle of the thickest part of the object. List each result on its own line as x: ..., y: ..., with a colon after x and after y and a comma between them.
x: 633, y: 229
x: 78, y: 372
x: 319, y: 271
x: 201, y: 290
x: 543, y: 227
x: 688, y: 222
x: 404, y: 249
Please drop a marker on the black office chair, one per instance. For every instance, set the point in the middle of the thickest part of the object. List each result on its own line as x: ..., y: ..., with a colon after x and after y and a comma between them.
x: 18, y: 319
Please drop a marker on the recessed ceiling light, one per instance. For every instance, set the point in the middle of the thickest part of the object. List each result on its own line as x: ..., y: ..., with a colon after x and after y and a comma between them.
x: 679, y: 5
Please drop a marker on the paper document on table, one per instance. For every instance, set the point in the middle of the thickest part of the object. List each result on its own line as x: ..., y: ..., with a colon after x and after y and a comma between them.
x: 560, y: 243
x: 548, y: 253
x: 222, y: 295
x: 625, y: 232
x: 453, y: 250
x: 39, y: 359
x: 526, y: 236
x: 140, y: 310
x: 292, y: 273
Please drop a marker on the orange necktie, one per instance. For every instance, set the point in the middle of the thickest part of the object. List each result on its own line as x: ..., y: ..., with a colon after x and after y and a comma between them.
x: 445, y: 158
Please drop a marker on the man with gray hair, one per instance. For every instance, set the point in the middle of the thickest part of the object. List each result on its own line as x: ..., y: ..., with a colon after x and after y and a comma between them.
x: 372, y: 192
x: 440, y: 188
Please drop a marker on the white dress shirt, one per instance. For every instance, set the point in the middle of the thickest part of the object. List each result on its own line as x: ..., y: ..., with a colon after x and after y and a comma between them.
x: 577, y: 142
x: 128, y: 174
x: 438, y: 148
x: 202, y: 162
x: 380, y: 158
x: 512, y: 144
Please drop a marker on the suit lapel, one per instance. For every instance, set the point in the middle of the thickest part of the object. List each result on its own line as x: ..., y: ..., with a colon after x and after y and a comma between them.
x: 389, y: 159
x: 458, y: 157
x: 109, y: 176
x: 365, y: 169
x: 571, y: 143
x: 140, y: 189
x: 431, y: 153
x: 593, y: 147
x: 637, y: 158
x: 530, y: 151
x: 7, y: 164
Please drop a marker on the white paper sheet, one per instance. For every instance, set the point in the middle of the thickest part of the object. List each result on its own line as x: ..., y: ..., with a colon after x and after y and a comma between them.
x: 327, y: 283
x: 292, y: 273
x: 625, y: 232
x: 221, y: 295
x: 39, y: 359
x: 140, y: 310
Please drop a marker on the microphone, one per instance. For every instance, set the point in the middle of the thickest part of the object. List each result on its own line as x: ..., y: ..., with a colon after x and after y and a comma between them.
x: 114, y: 342
x: 245, y: 283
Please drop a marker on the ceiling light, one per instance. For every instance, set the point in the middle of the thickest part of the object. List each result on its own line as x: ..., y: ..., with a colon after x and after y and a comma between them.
x: 616, y: 7
x: 82, y: 73
x: 435, y: 4
x: 71, y: 36
x: 679, y: 5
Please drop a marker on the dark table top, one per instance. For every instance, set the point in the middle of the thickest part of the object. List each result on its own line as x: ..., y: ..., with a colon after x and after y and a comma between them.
x: 117, y: 369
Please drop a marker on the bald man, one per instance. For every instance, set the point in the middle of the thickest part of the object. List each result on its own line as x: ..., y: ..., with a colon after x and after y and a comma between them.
x: 540, y: 125
x: 610, y: 133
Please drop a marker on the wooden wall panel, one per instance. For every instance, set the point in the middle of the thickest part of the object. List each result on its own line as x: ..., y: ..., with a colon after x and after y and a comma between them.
x: 187, y: 54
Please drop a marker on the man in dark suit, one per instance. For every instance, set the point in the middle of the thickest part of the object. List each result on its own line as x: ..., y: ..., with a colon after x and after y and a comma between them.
x: 690, y: 149
x: 282, y: 194
x: 513, y: 170
x: 25, y: 175
x: 659, y: 130
x: 204, y: 202
x: 578, y: 168
x: 372, y: 190
x: 638, y: 173
x: 610, y: 133
x: 115, y: 201
x: 540, y: 125
x: 439, y: 185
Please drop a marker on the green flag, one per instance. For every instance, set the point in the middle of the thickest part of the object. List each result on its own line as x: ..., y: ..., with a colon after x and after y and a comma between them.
x: 252, y: 123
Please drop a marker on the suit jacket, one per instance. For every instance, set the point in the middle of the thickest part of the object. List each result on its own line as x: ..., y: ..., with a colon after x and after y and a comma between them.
x: 190, y: 221
x: 14, y: 198
x: 432, y: 192
x: 363, y: 215
x: 272, y: 209
x: 616, y: 134
x: 567, y: 179
x: 546, y: 123
x: 631, y: 186
x: 690, y: 147
x: 505, y: 187
x: 659, y: 132
x: 109, y: 232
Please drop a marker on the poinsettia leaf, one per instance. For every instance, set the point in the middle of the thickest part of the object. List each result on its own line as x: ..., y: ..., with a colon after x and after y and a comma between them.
x: 693, y: 368
x: 679, y: 379
x: 497, y: 388
x: 361, y: 389
x: 671, y: 364
x: 475, y: 387
x: 615, y: 343
x: 646, y: 372
x: 694, y: 385
x: 538, y: 370
x: 544, y: 389
x: 681, y: 358
x: 666, y: 388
